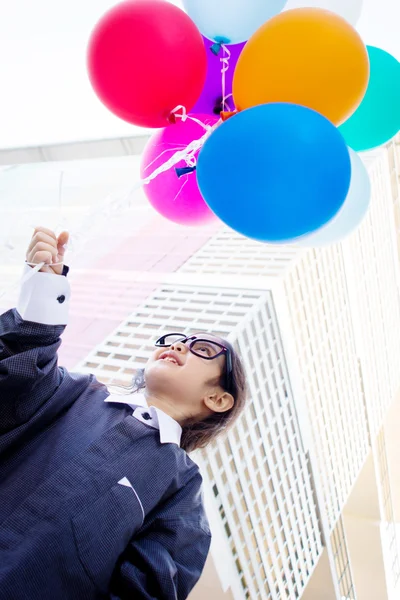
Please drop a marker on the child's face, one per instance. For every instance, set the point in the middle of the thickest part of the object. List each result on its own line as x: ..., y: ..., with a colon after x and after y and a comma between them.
x: 185, y: 382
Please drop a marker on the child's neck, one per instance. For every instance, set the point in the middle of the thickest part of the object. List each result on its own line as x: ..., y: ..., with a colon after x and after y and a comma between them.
x: 167, y: 406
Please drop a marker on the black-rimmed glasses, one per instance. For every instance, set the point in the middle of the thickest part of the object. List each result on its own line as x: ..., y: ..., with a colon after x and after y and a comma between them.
x: 202, y: 347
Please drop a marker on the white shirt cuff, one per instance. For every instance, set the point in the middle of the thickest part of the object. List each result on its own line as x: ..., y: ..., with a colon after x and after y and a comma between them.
x: 44, y: 298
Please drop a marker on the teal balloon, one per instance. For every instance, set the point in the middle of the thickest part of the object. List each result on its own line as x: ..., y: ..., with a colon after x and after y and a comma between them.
x: 377, y: 119
x: 352, y: 213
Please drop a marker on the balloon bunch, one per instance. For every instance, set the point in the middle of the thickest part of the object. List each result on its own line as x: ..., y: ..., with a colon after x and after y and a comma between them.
x: 283, y: 93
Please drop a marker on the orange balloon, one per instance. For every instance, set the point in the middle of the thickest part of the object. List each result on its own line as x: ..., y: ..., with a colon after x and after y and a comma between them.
x: 306, y: 56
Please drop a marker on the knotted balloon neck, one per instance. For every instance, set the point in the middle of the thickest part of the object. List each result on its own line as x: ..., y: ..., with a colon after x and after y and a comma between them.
x: 178, y: 113
x: 225, y: 115
x: 219, y: 42
x: 180, y: 171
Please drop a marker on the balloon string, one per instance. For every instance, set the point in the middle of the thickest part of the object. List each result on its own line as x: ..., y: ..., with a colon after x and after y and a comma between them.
x: 179, y: 112
x: 225, y: 64
x: 113, y: 205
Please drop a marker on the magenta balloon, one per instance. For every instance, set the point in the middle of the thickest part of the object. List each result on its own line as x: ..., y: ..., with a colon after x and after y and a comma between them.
x: 176, y: 198
x: 210, y: 100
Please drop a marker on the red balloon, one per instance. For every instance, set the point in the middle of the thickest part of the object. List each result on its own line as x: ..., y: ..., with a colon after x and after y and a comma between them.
x: 145, y: 58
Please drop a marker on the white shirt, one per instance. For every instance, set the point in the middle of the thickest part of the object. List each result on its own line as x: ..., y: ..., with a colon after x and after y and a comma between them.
x: 45, y: 298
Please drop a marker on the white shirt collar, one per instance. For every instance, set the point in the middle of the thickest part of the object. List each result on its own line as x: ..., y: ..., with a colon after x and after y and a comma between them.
x: 170, y: 430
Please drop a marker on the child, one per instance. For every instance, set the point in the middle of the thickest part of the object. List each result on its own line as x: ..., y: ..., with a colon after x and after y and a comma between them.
x: 98, y: 497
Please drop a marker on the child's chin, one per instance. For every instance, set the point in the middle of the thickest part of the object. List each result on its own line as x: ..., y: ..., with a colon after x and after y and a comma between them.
x: 160, y: 369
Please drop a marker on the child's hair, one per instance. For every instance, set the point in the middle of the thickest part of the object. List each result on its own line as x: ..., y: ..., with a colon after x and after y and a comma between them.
x: 200, y: 433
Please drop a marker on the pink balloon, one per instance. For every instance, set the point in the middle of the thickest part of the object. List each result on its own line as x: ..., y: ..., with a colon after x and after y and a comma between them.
x: 176, y: 198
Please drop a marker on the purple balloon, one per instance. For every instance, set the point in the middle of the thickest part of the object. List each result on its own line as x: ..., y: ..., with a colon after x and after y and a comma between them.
x: 210, y: 101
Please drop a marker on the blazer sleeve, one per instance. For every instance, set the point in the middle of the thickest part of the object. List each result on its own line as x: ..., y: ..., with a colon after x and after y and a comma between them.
x: 29, y: 341
x: 166, y: 559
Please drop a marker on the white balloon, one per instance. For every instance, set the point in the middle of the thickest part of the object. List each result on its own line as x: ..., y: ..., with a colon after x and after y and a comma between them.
x: 352, y: 213
x: 348, y: 9
x: 234, y: 20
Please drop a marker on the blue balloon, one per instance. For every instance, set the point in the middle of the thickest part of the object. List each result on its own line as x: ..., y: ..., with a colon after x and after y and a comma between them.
x: 275, y: 172
x: 231, y: 21
x: 352, y: 212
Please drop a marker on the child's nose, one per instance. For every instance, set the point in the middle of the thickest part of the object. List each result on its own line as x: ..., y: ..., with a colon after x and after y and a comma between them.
x: 179, y: 347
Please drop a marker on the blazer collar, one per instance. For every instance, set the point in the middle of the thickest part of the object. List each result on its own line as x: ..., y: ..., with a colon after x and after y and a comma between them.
x: 170, y: 430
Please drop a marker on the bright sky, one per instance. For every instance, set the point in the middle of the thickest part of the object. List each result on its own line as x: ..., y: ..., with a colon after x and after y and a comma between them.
x: 45, y: 94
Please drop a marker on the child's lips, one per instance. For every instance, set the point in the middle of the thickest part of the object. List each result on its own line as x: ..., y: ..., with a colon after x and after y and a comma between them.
x: 170, y: 360
x: 171, y: 357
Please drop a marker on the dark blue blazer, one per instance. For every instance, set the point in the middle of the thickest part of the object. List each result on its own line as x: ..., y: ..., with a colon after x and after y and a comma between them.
x: 68, y: 529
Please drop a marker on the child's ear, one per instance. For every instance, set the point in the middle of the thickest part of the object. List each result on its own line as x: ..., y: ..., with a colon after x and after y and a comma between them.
x: 219, y: 401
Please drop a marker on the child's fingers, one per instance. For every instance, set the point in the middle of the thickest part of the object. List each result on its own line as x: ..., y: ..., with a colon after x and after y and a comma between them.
x: 63, y: 237
x: 42, y: 237
x: 40, y: 248
x: 45, y: 230
x: 41, y: 256
x: 61, y: 242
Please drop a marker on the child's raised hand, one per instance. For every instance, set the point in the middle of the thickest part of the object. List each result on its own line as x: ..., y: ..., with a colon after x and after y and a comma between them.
x: 46, y: 247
